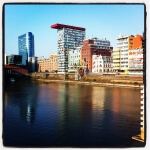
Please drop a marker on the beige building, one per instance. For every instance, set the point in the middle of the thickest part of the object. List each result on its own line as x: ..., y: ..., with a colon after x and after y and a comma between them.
x: 116, y: 59
x: 48, y: 65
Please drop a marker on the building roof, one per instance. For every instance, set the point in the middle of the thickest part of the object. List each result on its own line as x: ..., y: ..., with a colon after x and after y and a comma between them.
x: 60, y: 26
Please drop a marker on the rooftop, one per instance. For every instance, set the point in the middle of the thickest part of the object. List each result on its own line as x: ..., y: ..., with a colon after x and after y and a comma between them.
x: 60, y: 26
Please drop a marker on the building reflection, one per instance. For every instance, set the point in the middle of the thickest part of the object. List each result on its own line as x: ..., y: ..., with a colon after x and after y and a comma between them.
x: 20, y: 97
x: 28, y: 109
x: 116, y: 100
x: 124, y: 102
x: 98, y: 98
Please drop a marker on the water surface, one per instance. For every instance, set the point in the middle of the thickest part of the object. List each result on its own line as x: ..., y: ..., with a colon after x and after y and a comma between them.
x: 63, y: 115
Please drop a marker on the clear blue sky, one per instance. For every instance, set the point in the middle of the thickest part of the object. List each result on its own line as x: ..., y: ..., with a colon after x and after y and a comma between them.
x: 102, y: 21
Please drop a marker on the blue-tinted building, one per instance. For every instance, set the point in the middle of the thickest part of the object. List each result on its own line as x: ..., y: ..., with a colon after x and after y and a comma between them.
x: 26, y: 46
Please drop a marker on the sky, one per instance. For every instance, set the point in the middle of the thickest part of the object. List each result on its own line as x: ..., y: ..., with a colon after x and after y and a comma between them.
x: 100, y: 20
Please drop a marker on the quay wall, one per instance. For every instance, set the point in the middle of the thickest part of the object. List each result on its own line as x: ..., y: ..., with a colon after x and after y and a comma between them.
x: 107, y: 78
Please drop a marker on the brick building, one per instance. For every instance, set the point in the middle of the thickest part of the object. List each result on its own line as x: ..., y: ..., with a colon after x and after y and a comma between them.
x: 93, y: 47
x: 48, y: 65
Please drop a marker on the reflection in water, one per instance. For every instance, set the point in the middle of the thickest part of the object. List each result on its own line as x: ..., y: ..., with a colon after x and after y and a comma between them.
x: 23, y: 98
x: 47, y: 114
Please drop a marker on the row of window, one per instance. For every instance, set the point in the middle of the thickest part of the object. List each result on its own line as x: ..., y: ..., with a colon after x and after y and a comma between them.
x: 100, y: 70
x: 105, y: 65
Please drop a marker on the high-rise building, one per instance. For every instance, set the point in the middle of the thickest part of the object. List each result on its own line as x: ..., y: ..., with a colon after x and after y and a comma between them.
x: 69, y: 38
x: 26, y: 46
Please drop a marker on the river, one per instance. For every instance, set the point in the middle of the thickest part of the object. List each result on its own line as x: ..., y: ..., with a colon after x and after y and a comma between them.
x: 38, y: 114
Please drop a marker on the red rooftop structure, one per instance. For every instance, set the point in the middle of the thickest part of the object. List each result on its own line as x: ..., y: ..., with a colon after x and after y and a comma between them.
x: 60, y: 26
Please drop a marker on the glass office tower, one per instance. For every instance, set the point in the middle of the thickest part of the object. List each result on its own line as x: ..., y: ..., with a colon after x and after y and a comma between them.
x: 26, y: 46
x: 69, y: 37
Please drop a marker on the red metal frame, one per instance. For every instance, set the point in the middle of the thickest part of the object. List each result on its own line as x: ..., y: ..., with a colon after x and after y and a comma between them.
x: 60, y: 26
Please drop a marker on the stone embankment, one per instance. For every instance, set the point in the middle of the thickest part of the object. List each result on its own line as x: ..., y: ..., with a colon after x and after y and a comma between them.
x: 92, y: 79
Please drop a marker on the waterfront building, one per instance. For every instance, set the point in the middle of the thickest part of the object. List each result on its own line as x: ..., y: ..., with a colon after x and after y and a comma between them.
x: 26, y: 46
x: 32, y: 64
x: 53, y: 62
x: 101, y: 64
x: 126, y: 43
x: 74, y: 58
x: 97, y: 65
x: 69, y: 38
x: 14, y: 59
x: 95, y: 46
x: 48, y: 65
x: 136, y: 61
x: 116, y: 64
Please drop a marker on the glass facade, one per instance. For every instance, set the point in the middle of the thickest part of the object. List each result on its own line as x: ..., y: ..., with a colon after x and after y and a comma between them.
x: 68, y: 40
x: 26, y: 46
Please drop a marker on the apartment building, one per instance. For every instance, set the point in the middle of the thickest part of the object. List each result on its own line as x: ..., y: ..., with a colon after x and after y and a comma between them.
x: 116, y: 62
x: 101, y: 64
x: 74, y: 58
x: 136, y: 56
x: 136, y: 61
x: 48, y: 65
x: 124, y: 45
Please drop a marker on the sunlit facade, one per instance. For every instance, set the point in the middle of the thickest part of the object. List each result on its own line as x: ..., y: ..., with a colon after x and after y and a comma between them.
x: 116, y: 64
x: 101, y: 64
x: 136, y: 61
x: 69, y: 38
x: 74, y: 58
x: 124, y: 45
x: 48, y: 65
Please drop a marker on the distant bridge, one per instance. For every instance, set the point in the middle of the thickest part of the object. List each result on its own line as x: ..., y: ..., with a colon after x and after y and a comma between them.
x: 14, y: 71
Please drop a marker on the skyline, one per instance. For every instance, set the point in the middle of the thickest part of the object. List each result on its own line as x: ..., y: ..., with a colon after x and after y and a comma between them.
x: 100, y: 20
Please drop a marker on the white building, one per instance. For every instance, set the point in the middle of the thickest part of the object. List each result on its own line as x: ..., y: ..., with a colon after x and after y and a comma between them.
x: 136, y: 61
x: 107, y: 61
x: 97, y: 64
x: 122, y: 44
x: 74, y: 58
x: 101, y: 64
